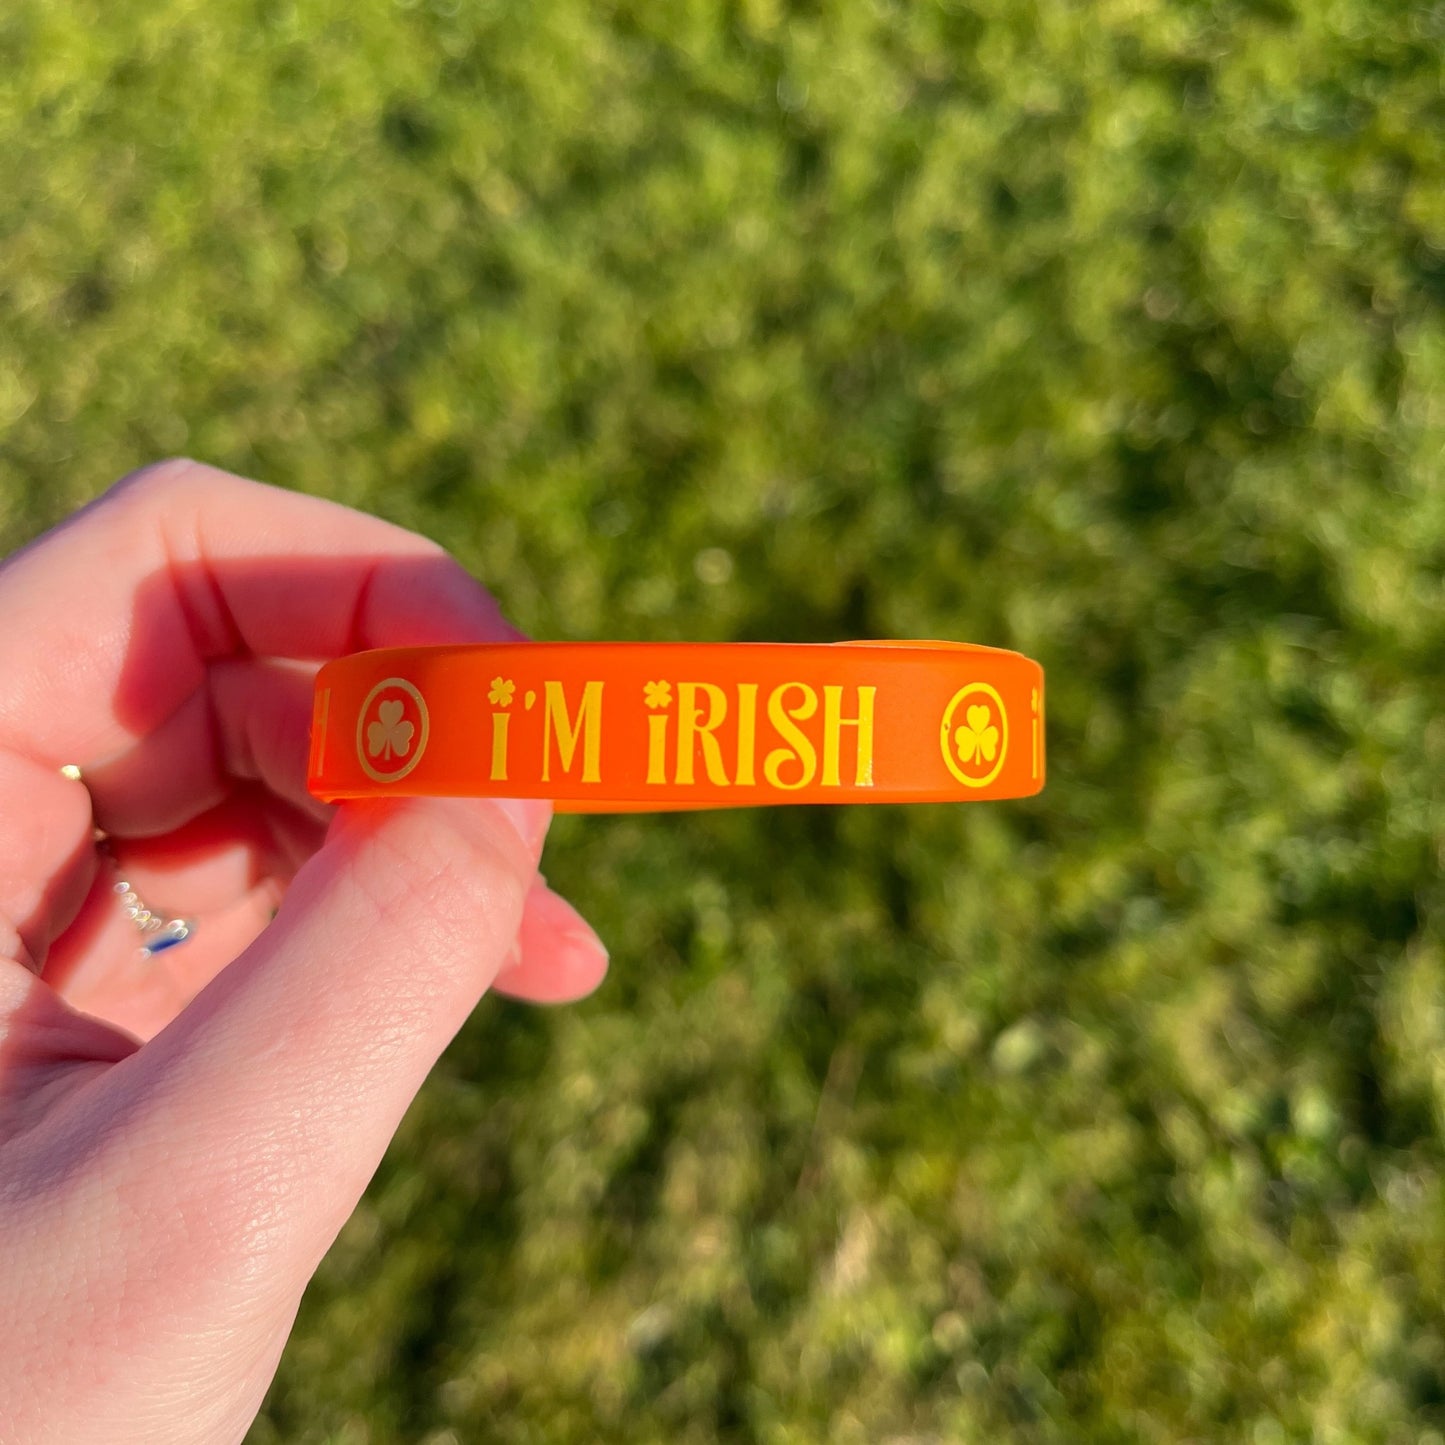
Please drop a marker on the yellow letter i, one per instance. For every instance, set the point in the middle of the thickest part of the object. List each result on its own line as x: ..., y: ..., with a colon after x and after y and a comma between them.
x: 499, y: 745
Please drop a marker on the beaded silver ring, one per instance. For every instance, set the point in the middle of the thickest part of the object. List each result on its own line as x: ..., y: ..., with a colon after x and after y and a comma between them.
x: 158, y: 933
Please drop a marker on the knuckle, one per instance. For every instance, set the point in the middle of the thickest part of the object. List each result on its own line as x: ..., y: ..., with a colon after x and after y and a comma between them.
x: 457, y: 880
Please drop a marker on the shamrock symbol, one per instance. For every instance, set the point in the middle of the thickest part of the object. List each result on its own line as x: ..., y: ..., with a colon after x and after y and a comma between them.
x: 658, y: 694
x: 977, y: 737
x: 501, y: 693
x: 391, y: 732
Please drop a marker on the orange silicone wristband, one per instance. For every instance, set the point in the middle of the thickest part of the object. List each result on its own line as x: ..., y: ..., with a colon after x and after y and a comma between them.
x: 633, y: 726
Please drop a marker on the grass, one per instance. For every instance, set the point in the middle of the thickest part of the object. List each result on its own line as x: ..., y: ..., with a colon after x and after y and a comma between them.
x: 1108, y: 332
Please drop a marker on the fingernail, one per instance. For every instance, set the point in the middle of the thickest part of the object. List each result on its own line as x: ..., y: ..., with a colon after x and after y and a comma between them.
x: 529, y: 816
x: 584, y: 943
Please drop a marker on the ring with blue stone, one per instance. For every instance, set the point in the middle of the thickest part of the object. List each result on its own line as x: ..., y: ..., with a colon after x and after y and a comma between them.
x: 158, y: 933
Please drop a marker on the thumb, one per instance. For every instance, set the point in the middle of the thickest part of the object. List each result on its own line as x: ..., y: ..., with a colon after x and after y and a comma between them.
x: 265, y: 1107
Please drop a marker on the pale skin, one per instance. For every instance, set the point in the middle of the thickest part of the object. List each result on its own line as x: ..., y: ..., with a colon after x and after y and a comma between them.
x: 182, y: 1137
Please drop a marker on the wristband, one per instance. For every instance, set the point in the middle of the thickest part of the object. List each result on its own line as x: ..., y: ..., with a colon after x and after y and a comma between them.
x: 635, y: 726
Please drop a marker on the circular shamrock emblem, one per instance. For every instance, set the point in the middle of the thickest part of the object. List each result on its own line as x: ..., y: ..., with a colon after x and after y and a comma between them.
x: 501, y: 692
x: 391, y: 730
x: 974, y: 735
x: 657, y: 694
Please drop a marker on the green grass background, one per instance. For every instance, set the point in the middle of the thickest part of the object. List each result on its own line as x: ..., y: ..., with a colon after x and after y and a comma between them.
x: 1111, y: 332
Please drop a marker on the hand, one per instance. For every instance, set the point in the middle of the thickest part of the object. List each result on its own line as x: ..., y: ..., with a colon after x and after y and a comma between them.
x: 183, y: 1136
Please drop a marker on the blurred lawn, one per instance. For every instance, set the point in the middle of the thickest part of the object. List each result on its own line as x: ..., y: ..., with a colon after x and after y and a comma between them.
x: 1109, y: 332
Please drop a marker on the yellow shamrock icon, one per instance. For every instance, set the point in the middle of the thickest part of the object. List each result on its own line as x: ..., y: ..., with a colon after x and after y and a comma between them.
x: 977, y: 738
x: 390, y: 732
x: 501, y: 693
x: 980, y: 740
x: 657, y: 694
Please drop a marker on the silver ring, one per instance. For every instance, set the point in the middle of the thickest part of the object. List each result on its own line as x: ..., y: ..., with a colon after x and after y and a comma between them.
x: 158, y: 933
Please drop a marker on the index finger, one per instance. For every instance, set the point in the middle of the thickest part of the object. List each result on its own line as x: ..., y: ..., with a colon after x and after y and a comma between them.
x: 109, y: 623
